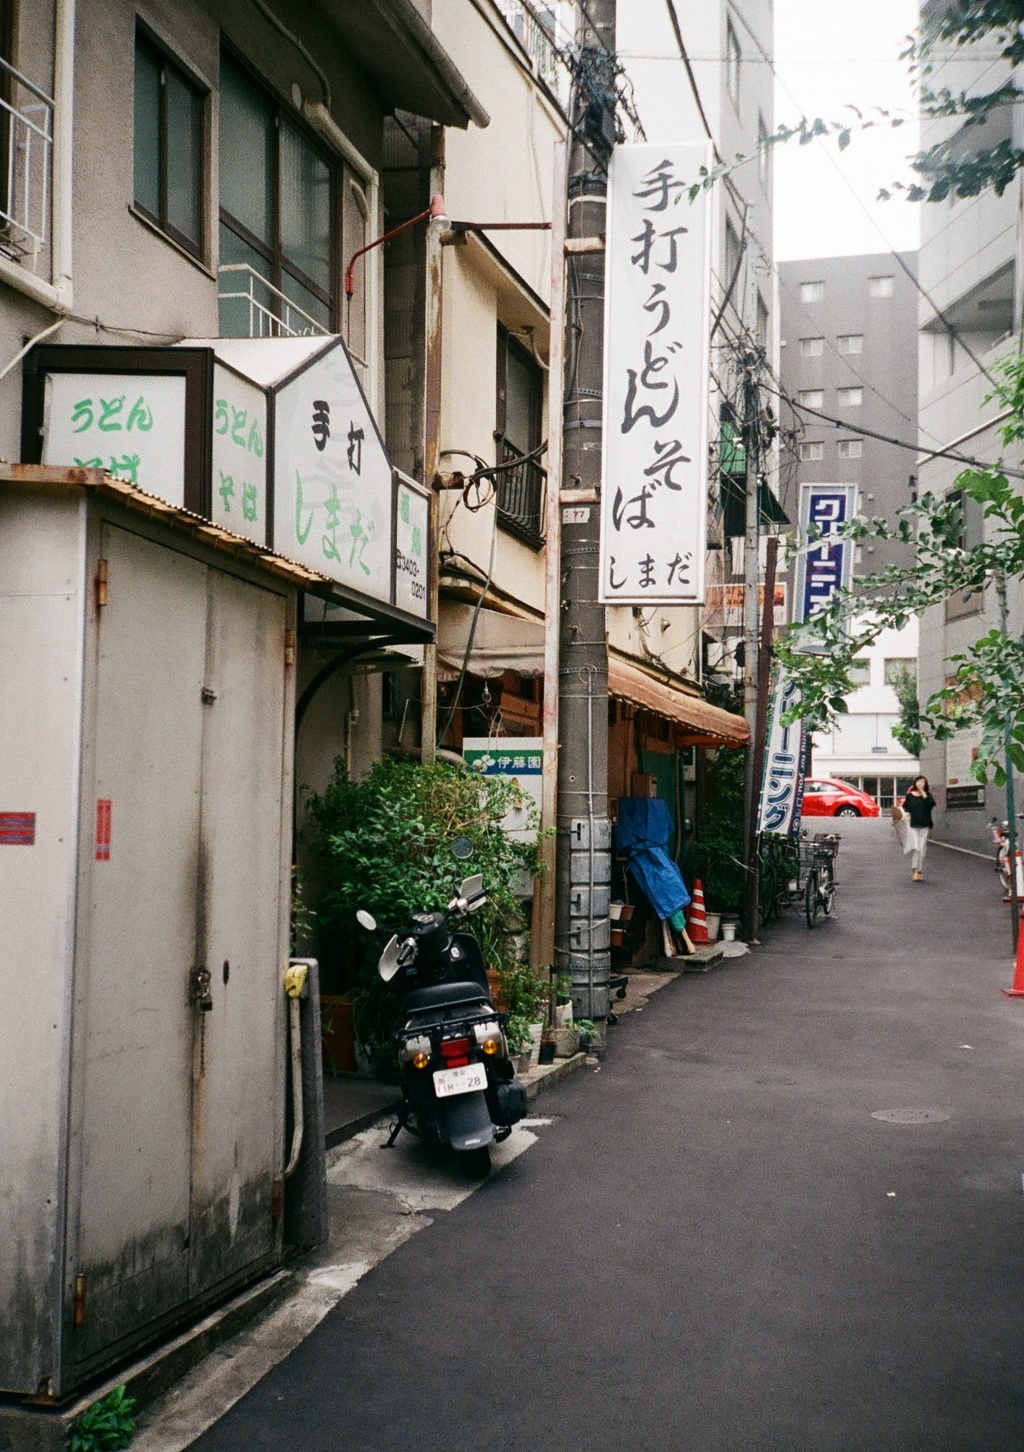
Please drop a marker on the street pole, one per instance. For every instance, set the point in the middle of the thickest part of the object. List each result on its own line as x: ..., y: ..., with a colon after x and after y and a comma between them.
x: 432, y: 443
x: 751, y: 572
x: 542, y: 935
x: 758, y: 745
x: 1011, y: 805
x: 583, y: 844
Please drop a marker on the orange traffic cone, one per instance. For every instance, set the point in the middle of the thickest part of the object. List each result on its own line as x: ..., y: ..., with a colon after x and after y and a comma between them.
x: 1017, y: 991
x: 696, y: 918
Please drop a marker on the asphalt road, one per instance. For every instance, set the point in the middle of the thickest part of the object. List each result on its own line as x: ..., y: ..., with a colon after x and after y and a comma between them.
x: 715, y: 1247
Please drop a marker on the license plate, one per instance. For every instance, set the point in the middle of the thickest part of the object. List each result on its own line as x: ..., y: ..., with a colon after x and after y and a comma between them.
x: 459, y: 1081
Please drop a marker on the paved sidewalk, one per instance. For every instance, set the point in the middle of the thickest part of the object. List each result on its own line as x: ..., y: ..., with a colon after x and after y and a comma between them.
x: 715, y: 1245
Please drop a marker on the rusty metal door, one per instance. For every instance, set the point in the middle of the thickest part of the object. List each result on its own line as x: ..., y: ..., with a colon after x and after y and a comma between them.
x: 180, y: 1105
x: 238, y: 1074
x: 137, y: 944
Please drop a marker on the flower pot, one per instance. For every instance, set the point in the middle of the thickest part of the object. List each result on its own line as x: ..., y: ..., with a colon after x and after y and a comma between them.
x: 525, y: 1062
x: 337, y: 1034
x: 563, y: 1015
x: 729, y: 926
x: 618, y: 936
x: 494, y: 986
x: 714, y: 923
x: 627, y: 911
x: 536, y: 1034
x: 615, y: 910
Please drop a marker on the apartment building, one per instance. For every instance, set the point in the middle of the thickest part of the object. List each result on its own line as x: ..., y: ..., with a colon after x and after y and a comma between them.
x: 849, y: 375
x: 970, y: 272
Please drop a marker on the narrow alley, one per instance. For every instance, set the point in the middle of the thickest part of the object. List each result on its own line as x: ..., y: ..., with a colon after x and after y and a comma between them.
x: 717, y: 1243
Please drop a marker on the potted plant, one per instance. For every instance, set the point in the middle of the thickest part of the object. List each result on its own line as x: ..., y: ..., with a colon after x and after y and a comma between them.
x: 587, y: 1034
x: 523, y: 994
x: 563, y: 1000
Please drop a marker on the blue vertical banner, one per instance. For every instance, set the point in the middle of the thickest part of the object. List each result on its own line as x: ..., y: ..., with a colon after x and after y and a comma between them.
x: 782, y: 789
x: 826, y: 565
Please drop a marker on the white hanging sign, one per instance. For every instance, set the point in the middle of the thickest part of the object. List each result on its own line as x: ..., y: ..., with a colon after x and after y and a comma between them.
x: 657, y: 276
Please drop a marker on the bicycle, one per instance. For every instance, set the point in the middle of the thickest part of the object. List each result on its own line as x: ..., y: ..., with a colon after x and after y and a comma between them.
x: 819, y: 857
x: 779, y: 875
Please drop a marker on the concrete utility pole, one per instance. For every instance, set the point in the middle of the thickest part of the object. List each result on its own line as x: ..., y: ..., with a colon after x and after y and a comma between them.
x: 751, y: 573
x: 582, y: 941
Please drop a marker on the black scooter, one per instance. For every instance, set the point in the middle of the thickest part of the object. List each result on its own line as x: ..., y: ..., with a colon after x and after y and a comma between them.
x: 458, y: 1082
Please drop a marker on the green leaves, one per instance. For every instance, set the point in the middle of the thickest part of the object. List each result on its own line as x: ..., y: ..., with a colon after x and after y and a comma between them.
x: 106, y: 1426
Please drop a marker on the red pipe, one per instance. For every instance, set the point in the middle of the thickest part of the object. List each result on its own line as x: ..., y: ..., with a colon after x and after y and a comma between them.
x: 436, y: 209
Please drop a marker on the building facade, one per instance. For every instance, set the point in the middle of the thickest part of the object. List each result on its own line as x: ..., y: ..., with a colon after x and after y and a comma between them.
x: 849, y: 380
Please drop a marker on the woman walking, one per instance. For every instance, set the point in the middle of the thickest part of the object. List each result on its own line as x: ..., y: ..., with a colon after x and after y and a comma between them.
x: 918, y: 805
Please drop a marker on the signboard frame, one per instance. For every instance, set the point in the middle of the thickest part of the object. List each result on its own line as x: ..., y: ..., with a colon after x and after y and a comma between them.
x: 195, y: 365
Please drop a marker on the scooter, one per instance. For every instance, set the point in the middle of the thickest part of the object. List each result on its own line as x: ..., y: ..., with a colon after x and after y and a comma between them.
x: 458, y: 1081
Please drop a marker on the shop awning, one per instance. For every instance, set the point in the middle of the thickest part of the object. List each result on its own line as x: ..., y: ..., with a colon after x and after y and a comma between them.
x: 500, y: 642
x: 702, y: 723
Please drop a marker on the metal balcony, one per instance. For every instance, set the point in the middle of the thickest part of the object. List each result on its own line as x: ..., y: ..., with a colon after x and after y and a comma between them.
x: 252, y: 307
x: 520, y: 495
x: 26, y: 147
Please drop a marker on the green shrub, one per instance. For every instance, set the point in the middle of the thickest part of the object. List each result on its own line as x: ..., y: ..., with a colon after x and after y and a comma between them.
x: 384, y: 844
x: 106, y: 1426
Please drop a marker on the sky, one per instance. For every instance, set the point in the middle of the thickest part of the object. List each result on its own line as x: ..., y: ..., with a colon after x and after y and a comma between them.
x: 829, y: 56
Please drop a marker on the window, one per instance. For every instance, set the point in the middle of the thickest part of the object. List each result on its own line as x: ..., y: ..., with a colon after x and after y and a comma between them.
x: 850, y: 397
x: 850, y: 448
x: 860, y: 671
x: 851, y: 343
x: 812, y: 347
x: 733, y: 57
x: 169, y: 145
x: 732, y: 250
x: 880, y: 286
x: 763, y: 152
x: 898, y: 666
x: 811, y: 453
x: 276, y: 206
x: 812, y: 397
x: 812, y: 291
x: 519, y: 417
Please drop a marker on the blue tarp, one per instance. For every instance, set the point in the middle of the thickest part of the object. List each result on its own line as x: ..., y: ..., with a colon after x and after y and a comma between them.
x: 644, y: 830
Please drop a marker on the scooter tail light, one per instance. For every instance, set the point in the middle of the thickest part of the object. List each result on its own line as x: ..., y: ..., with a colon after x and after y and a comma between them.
x: 455, y: 1049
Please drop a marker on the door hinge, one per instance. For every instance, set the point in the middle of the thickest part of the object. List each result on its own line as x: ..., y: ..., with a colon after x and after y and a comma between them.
x: 202, y: 995
x: 289, y: 647
x: 78, y: 1314
x: 207, y: 695
x: 101, y: 584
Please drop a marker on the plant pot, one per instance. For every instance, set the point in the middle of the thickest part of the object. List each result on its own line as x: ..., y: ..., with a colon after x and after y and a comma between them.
x: 525, y: 1062
x: 615, y: 910
x: 627, y: 911
x: 566, y: 1042
x: 729, y: 926
x: 536, y: 1034
x: 494, y: 986
x: 714, y: 923
x: 563, y: 1015
x: 618, y: 936
x: 337, y: 1034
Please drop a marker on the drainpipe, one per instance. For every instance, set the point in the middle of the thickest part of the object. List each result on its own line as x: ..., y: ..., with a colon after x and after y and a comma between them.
x: 432, y: 441
x: 542, y: 936
x: 63, y: 151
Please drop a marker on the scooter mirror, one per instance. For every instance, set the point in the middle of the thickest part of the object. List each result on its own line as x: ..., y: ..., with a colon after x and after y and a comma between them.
x: 366, y: 920
x: 389, y: 960
x: 471, y: 888
x: 462, y: 848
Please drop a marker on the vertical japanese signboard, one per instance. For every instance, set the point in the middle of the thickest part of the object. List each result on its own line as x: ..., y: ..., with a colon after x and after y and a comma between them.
x: 238, y: 495
x: 333, y: 494
x: 412, y: 530
x: 654, y: 489
x: 783, y: 786
x: 827, y: 566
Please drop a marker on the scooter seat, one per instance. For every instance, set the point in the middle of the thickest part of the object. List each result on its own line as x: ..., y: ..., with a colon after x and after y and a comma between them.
x: 443, y: 994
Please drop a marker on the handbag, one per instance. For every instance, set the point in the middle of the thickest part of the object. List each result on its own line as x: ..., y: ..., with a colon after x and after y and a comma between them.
x: 897, y: 813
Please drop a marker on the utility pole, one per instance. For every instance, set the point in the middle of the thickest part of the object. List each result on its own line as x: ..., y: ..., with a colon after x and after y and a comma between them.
x: 432, y: 442
x: 751, y: 573
x: 583, y: 844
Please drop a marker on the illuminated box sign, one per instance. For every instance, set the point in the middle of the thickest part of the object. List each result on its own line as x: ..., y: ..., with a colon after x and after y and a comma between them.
x: 657, y: 270
x: 139, y: 413
x: 827, y: 566
x: 271, y: 438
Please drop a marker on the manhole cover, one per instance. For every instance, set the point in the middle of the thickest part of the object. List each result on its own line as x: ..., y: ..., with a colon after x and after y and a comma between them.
x: 909, y: 1116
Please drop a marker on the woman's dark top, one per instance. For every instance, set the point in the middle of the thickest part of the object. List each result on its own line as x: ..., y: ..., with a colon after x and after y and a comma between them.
x: 919, y: 809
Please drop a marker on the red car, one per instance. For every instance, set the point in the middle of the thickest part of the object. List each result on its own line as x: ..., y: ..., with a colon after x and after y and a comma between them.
x: 826, y: 797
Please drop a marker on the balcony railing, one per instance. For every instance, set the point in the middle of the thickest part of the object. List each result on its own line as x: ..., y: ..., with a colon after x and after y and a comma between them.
x: 252, y: 307
x: 520, y: 495
x: 534, y: 29
x: 26, y: 145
